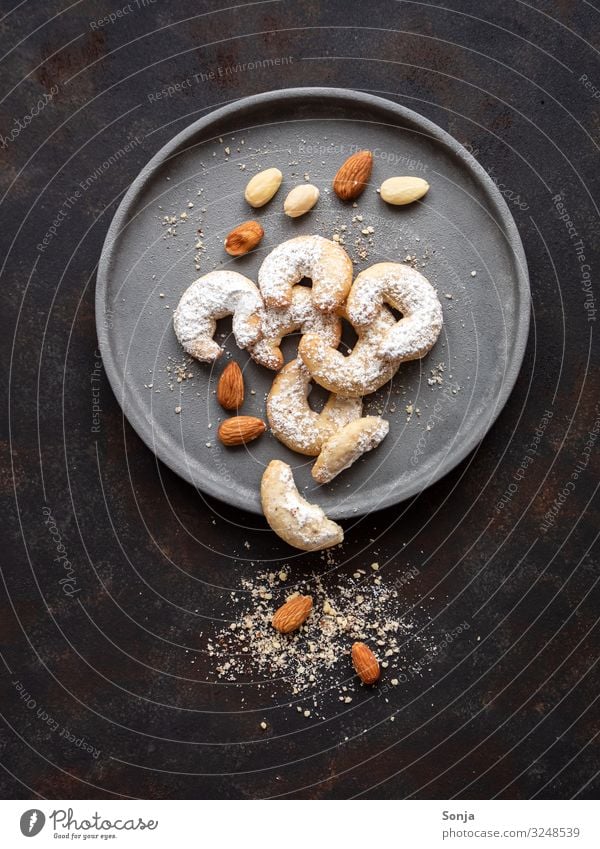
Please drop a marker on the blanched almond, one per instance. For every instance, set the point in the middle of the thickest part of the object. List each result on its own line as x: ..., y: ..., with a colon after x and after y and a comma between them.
x: 263, y: 186
x: 300, y: 200
x: 402, y: 190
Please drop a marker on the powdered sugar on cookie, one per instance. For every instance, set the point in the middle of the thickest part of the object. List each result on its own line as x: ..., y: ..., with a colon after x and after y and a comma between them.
x: 211, y: 297
x: 324, y: 262
x: 405, y: 289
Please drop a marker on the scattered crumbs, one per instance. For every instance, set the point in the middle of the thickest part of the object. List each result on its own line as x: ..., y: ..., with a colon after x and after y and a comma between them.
x: 315, y: 660
x: 263, y: 725
x: 473, y: 274
x: 437, y: 375
x: 177, y: 410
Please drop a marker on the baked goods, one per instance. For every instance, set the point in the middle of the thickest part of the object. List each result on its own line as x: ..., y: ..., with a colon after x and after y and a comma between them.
x: 290, y: 516
x: 324, y: 262
x: 292, y: 420
x: 262, y: 315
x: 363, y: 371
x: 301, y: 315
x: 405, y: 289
x: 213, y: 296
x: 348, y: 444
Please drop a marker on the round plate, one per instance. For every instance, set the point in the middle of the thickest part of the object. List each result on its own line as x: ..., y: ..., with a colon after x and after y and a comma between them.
x: 169, y: 230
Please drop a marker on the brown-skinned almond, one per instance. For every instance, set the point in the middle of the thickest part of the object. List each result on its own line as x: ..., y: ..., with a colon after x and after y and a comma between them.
x: 352, y: 178
x: 365, y: 663
x: 240, y: 430
x: 230, y: 388
x: 244, y: 238
x: 291, y: 615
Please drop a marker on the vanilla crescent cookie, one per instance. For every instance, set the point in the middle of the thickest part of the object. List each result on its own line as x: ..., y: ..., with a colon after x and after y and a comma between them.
x: 299, y: 523
x: 405, y: 289
x: 301, y: 315
x: 213, y: 296
x: 291, y: 419
x: 362, y: 371
x: 349, y: 443
x: 323, y: 261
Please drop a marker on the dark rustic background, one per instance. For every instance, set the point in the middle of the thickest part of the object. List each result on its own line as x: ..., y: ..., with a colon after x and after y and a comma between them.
x: 506, y: 709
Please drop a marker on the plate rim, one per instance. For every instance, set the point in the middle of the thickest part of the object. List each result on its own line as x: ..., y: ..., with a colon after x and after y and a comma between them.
x: 502, y: 214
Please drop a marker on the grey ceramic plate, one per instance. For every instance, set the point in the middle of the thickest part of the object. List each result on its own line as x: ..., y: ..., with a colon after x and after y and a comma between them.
x: 462, y: 235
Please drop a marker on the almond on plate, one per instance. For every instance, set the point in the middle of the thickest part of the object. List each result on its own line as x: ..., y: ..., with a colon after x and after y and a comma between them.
x: 402, y: 190
x: 300, y: 200
x: 239, y: 430
x: 292, y: 614
x: 244, y: 238
x: 352, y: 178
x: 263, y: 186
x: 230, y: 388
x: 365, y: 663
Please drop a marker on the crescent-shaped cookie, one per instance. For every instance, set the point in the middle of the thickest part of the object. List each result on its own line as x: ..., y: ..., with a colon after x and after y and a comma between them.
x: 301, y: 315
x: 326, y: 263
x: 345, y: 447
x: 213, y: 296
x: 291, y: 419
x: 405, y: 289
x: 361, y: 372
x: 299, y: 523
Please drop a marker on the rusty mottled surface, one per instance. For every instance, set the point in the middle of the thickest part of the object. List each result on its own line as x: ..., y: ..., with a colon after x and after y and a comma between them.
x: 505, y: 710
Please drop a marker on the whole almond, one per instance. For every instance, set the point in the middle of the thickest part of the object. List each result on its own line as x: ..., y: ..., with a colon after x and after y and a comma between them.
x: 352, y: 178
x: 300, y: 200
x: 263, y: 186
x: 243, y: 238
x: 292, y: 614
x: 240, y: 429
x: 365, y: 663
x: 230, y: 388
x: 402, y: 190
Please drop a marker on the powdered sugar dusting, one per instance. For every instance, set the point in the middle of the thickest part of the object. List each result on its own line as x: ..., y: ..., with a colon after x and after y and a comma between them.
x: 325, y: 263
x: 299, y: 523
x: 347, y: 445
x: 361, y: 372
x: 291, y: 418
x: 301, y: 315
x: 406, y: 290
x: 211, y: 297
